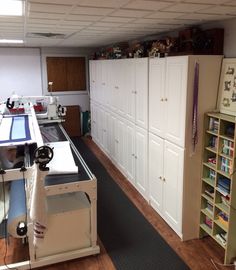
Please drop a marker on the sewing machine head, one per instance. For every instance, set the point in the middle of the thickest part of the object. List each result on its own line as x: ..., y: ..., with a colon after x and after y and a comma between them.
x: 46, y: 108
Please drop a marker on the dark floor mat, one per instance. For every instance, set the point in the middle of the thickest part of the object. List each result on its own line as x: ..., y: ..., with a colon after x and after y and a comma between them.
x: 3, y: 229
x: 130, y: 240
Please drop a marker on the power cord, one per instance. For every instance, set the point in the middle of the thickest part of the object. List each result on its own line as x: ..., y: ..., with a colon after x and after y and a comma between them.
x: 221, y: 264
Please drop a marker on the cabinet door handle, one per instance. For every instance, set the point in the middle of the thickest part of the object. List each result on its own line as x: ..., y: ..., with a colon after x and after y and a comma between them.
x: 162, y: 99
x: 166, y: 99
x: 160, y: 177
x: 163, y: 179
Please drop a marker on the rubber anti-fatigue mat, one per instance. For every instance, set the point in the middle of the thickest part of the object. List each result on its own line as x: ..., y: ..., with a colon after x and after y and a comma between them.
x: 130, y: 240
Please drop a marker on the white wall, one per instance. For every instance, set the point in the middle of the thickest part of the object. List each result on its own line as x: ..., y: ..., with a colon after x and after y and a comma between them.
x: 20, y: 72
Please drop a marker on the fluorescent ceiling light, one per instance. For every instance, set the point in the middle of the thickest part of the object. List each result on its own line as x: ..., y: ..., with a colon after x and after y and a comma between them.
x: 11, y: 8
x: 11, y: 41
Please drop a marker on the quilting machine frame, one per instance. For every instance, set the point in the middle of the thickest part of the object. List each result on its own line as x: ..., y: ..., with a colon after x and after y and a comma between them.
x: 87, y: 185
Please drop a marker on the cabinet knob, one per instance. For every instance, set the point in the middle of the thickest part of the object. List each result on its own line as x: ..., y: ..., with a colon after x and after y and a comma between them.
x: 164, y: 179
x: 103, y: 83
x: 116, y: 87
x: 160, y: 177
x: 93, y: 81
x: 136, y: 157
x: 166, y: 99
x: 132, y: 155
x: 162, y: 99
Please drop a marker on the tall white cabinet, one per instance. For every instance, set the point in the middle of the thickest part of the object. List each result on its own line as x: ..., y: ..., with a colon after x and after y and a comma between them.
x: 174, y: 167
x: 141, y: 113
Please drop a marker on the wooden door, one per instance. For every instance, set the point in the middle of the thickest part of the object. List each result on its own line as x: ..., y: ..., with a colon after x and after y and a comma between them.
x: 76, y: 73
x: 155, y: 172
x: 176, y: 95
x: 157, y: 115
x: 173, y: 186
x: 57, y: 73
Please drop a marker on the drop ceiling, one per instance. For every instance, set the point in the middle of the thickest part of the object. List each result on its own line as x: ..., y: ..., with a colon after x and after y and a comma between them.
x: 93, y: 23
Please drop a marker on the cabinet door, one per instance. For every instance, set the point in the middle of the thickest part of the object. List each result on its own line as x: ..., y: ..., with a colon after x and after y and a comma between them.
x: 98, y: 92
x: 141, y: 78
x: 157, y: 120
x: 176, y: 93
x: 156, y: 148
x: 141, y: 161
x: 92, y: 73
x: 94, y: 125
x: 104, y: 123
x: 129, y: 95
x: 103, y: 81
x: 173, y: 186
x: 120, y: 130
x: 112, y: 136
x: 130, y: 152
x: 99, y: 124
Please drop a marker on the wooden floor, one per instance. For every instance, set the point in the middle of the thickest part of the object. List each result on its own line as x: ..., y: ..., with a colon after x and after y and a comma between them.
x: 197, y: 254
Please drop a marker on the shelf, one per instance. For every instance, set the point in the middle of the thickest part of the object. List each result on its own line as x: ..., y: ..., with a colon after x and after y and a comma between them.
x: 211, y: 149
x: 231, y: 139
x: 206, y: 229
x: 207, y: 198
x: 209, y: 181
x: 207, y: 213
x: 222, y: 226
x: 222, y: 207
x: 212, y: 132
x: 210, y: 165
x: 218, y: 241
x: 226, y: 156
x: 227, y: 175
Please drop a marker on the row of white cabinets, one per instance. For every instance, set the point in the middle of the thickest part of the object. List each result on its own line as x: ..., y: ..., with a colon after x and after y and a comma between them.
x: 124, y: 143
x: 122, y: 87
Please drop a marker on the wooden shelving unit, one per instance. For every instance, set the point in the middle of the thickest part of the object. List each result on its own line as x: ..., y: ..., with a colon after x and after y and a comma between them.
x: 218, y: 194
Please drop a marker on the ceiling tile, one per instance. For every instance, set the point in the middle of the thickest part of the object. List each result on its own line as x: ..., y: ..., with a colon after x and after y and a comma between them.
x: 219, y: 10
x: 107, y: 24
x: 103, y: 3
x: 185, y: 7
x: 92, y: 11
x: 84, y: 18
x: 130, y: 13
x: 231, y: 3
x: 42, y: 15
x: 75, y: 23
x: 117, y: 19
x: 148, y: 5
x: 47, y: 8
x: 58, y: 2
x: 98, y: 28
x: 165, y: 15
x: 212, y: 2
x: 44, y: 21
x: 204, y: 17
